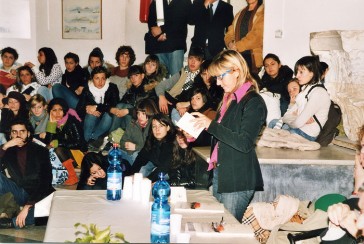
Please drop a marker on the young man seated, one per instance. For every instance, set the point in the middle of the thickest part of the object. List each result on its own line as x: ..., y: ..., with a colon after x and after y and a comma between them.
x: 30, y: 172
x: 169, y: 90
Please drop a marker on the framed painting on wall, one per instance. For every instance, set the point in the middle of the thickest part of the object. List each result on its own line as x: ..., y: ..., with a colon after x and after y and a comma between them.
x: 81, y: 19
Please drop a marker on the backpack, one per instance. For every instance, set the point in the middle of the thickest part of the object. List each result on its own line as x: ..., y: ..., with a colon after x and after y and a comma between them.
x: 329, y: 130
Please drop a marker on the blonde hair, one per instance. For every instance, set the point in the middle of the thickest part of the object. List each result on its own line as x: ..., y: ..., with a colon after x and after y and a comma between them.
x: 37, y: 98
x: 232, y: 60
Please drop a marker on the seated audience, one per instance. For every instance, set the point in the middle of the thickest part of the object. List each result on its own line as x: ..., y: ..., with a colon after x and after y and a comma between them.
x: 137, y: 89
x: 294, y: 89
x: 48, y: 73
x: 96, y: 106
x: 30, y: 172
x: 137, y: 131
x: 95, y: 59
x: 276, y: 78
x: 300, y: 118
x: 182, y: 170
x: 157, y: 153
x: 205, y: 80
x: 154, y: 71
x: 38, y: 116
x: 93, y: 172
x: 15, y: 108
x: 26, y: 84
x: 200, y: 102
x: 64, y: 133
x: 73, y: 81
x: 8, y: 67
x: 169, y: 89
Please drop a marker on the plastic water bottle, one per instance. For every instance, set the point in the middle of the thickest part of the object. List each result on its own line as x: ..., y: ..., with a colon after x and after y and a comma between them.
x: 114, y: 174
x: 161, y: 212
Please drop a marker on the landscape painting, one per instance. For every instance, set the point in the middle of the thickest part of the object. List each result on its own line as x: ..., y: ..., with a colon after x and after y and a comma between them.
x: 81, y: 19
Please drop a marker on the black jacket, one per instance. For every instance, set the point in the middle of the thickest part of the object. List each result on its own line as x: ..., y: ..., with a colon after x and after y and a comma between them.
x: 213, y: 30
x: 75, y: 79
x: 70, y: 135
x: 86, y: 98
x: 37, y: 181
x: 176, y: 19
x: 236, y: 134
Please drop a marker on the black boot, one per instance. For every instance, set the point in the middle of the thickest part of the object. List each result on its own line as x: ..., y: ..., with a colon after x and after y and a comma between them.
x: 6, y: 223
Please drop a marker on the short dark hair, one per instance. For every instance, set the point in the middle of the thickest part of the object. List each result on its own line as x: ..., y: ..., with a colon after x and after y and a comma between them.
x: 74, y: 56
x: 147, y: 106
x: 58, y: 101
x: 135, y: 70
x: 99, y: 70
x: 125, y: 49
x: 2, y: 89
x: 205, y: 65
x: 11, y: 51
x: 204, y: 93
x: 24, y: 122
x: 312, y: 64
x: 197, y: 52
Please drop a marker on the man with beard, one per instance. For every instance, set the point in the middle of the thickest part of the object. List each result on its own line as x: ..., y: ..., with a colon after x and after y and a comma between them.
x: 29, y: 170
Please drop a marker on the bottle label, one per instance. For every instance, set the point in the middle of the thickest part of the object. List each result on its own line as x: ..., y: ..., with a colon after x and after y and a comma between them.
x: 160, y: 222
x: 114, y: 181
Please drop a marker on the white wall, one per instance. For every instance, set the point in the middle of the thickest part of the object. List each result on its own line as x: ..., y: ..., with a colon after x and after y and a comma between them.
x: 297, y: 18
x: 121, y: 26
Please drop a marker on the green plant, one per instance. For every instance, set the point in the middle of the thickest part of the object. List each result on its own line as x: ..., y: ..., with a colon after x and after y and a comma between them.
x: 93, y: 235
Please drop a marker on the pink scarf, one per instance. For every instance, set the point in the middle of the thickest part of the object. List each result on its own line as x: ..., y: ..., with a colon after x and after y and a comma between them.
x: 239, y: 94
x: 65, y: 118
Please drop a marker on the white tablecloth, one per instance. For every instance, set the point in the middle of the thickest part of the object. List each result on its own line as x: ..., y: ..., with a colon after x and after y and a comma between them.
x: 125, y: 216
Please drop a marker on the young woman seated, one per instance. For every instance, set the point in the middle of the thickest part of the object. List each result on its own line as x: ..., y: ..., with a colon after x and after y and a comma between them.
x: 64, y: 132
x: 137, y: 131
x: 73, y: 81
x: 38, y: 116
x: 96, y: 106
x: 154, y: 71
x: 157, y: 153
x: 276, y: 78
x: 93, y: 172
x: 26, y: 83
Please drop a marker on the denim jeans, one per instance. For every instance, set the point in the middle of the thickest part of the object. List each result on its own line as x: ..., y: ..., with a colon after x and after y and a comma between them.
x: 20, y: 196
x: 45, y: 92
x: 94, y: 127
x: 59, y: 90
x: 301, y: 133
x: 129, y: 157
x: 173, y: 60
x: 175, y: 117
x: 123, y: 121
x: 273, y: 123
x: 147, y: 169
x: 2, y: 139
x: 235, y: 202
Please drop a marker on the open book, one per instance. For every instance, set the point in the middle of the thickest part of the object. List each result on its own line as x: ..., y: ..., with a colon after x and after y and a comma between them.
x: 186, y: 123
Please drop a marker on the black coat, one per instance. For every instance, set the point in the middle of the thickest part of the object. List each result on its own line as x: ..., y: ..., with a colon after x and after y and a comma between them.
x: 37, y: 181
x: 176, y: 19
x: 70, y: 135
x: 86, y: 98
x: 75, y: 79
x: 213, y: 30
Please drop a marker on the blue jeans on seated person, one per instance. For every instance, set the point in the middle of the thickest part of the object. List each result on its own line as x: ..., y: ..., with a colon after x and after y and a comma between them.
x: 173, y: 60
x: 45, y: 92
x: 20, y: 196
x: 235, y: 202
x: 175, y: 117
x: 147, y: 169
x: 273, y: 123
x: 129, y: 157
x: 123, y: 121
x: 2, y: 139
x: 301, y: 133
x: 59, y: 90
x: 94, y: 127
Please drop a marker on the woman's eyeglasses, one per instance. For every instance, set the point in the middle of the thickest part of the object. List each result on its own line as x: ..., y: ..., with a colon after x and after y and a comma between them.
x: 220, y: 77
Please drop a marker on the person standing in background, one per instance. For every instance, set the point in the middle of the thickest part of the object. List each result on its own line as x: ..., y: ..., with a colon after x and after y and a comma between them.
x: 168, y: 40
x: 245, y: 35
x: 211, y: 19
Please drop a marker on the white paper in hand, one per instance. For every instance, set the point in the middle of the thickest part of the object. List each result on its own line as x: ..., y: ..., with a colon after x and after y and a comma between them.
x: 186, y: 123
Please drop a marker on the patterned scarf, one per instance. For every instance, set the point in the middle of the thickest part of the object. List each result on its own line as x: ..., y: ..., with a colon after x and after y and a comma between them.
x: 190, y: 78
